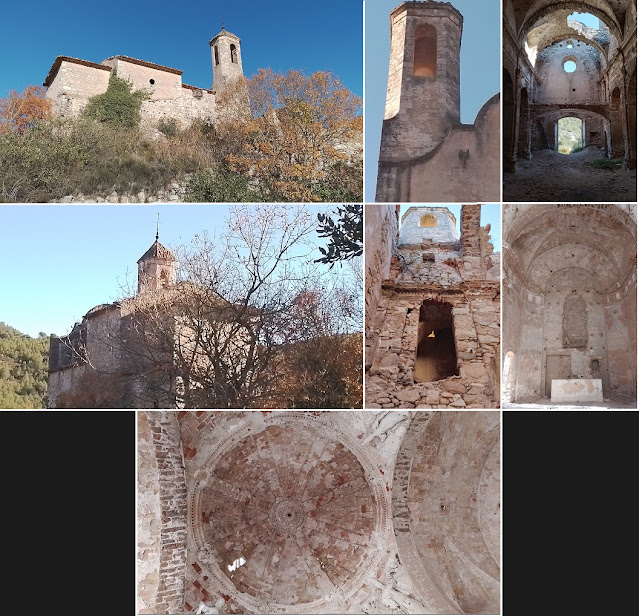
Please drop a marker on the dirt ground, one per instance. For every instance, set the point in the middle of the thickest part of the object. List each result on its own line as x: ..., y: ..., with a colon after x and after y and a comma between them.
x: 557, y: 178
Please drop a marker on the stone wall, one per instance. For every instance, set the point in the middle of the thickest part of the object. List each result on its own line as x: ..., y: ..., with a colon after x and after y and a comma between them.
x: 75, y: 81
x: 434, y: 268
x: 74, y: 84
x: 555, y: 85
x: 380, y: 239
x: 161, y: 490
x: 464, y: 166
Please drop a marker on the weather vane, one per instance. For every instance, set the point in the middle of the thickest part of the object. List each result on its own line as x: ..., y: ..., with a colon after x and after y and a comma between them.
x: 157, y: 228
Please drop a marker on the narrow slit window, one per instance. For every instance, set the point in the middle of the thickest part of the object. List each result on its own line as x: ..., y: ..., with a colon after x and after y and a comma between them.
x: 217, y: 59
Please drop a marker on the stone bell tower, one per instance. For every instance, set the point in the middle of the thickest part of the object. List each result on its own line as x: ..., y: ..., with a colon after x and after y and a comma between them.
x: 227, y: 59
x: 156, y: 268
x: 422, y: 97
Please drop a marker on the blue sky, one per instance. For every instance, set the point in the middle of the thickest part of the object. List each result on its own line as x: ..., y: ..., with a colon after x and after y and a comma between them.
x: 490, y: 215
x: 480, y: 68
x: 284, y: 35
x: 59, y: 261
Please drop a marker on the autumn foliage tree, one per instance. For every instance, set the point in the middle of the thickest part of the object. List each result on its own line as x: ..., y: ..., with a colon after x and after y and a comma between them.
x: 301, y: 128
x: 21, y: 110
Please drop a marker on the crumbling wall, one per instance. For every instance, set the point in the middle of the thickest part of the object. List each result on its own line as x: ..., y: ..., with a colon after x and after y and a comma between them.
x: 555, y: 85
x: 436, y: 268
x: 465, y: 166
x: 161, y: 490
x: 442, y: 526
x: 570, y: 297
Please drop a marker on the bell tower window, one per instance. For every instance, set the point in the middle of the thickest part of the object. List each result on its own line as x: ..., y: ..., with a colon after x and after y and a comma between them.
x: 425, y: 56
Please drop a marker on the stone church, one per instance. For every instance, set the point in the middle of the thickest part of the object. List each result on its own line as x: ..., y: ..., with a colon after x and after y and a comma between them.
x: 570, y: 304
x: 100, y: 352
x: 318, y: 512
x: 432, y: 297
x: 557, y: 68
x: 426, y: 154
x: 71, y: 82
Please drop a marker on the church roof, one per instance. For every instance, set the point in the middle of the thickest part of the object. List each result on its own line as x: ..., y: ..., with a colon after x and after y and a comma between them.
x: 224, y: 32
x: 157, y: 251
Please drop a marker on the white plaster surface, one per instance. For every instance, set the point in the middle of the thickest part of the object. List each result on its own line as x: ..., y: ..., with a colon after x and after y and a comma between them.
x: 576, y: 390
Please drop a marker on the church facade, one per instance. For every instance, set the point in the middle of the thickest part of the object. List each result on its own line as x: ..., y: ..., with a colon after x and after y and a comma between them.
x: 103, y: 362
x: 71, y: 82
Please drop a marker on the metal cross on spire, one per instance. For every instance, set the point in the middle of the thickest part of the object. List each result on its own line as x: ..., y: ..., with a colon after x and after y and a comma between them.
x: 157, y: 228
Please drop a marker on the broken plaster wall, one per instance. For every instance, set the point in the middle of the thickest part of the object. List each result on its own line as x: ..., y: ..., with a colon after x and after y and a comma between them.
x: 555, y: 85
x: 448, y: 531
x: 570, y: 297
x: 434, y: 266
x: 161, y: 517
x: 267, y: 454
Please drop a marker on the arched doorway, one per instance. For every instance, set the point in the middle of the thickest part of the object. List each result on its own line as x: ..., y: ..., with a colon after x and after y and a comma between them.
x: 570, y: 135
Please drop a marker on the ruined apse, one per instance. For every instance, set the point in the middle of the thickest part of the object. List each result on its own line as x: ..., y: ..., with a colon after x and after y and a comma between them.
x: 432, y: 340
x: 556, y: 67
x: 315, y: 512
x: 426, y: 153
x: 570, y: 302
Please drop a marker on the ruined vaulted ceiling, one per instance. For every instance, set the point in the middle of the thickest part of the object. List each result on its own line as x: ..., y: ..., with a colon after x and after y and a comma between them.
x: 541, y: 14
x: 547, y: 238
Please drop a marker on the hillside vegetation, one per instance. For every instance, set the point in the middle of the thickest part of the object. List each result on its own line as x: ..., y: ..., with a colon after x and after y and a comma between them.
x: 23, y: 369
x: 279, y: 138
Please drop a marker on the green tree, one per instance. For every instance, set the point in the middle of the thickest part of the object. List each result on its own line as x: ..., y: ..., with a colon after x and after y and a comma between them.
x: 119, y: 105
x: 345, y: 234
x: 23, y: 369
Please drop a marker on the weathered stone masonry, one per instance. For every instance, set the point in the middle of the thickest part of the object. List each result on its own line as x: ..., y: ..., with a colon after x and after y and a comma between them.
x: 71, y: 82
x: 434, y: 342
x: 162, y: 522
x: 426, y: 153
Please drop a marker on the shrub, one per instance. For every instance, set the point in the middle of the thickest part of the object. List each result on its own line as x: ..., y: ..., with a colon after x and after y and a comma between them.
x: 169, y: 126
x: 119, y: 105
x: 605, y: 163
x: 219, y: 185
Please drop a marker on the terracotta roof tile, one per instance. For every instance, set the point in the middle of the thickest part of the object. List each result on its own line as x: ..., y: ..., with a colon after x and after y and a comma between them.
x: 157, y: 251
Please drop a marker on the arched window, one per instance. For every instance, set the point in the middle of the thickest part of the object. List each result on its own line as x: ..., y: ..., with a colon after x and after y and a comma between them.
x: 436, y: 357
x: 427, y: 220
x: 164, y: 279
x: 233, y: 54
x: 217, y: 58
x: 425, y: 57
